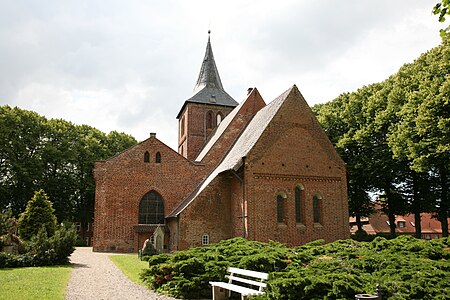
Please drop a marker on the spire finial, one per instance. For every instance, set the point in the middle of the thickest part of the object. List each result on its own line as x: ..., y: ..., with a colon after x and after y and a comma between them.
x: 209, y: 31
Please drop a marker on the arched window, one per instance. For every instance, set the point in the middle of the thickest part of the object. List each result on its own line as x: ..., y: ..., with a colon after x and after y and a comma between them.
x: 151, y: 209
x: 209, y: 120
x: 317, y: 208
x: 182, y: 127
x: 158, y: 158
x: 219, y: 118
x: 146, y: 157
x: 280, y: 208
x: 205, y: 239
x: 299, y: 196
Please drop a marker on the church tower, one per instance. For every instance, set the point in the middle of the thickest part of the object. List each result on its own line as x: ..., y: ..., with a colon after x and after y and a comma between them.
x: 204, y: 111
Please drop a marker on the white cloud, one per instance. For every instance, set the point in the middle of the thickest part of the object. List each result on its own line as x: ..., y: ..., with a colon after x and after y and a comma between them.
x: 129, y: 65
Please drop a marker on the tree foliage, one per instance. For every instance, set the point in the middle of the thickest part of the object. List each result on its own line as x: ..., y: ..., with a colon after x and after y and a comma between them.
x: 38, y: 213
x: 442, y: 9
x: 395, y: 138
x: 54, y: 155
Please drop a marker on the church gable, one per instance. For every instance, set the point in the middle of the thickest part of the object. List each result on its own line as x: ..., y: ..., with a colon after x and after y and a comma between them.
x: 295, y: 179
x: 150, y: 155
x: 126, y: 181
x: 295, y: 133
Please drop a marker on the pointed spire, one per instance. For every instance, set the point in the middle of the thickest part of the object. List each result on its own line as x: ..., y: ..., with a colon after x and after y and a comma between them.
x: 209, y: 75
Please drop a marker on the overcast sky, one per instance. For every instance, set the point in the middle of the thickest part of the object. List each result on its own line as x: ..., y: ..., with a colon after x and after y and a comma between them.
x: 130, y: 65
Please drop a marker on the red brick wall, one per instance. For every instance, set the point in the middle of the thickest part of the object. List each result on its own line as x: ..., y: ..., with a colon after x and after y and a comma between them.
x: 209, y: 213
x: 122, y: 181
x: 195, y: 135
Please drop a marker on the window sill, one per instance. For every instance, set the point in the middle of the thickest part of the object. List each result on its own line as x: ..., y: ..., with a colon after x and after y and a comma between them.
x: 318, y: 226
x: 300, y: 226
x: 282, y: 225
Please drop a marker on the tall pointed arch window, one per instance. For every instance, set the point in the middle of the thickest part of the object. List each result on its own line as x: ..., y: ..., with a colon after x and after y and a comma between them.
x: 317, y: 208
x: 209, y: 120
x: 158, y: 158
x: 182, y: 127
x: 146, y: 157
x: 280, y: 207
x: 151, y: 209
x: 299, y: 204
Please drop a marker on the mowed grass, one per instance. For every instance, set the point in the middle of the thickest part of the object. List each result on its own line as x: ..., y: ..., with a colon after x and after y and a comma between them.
x: 34, y: 283
x: 130, y: 265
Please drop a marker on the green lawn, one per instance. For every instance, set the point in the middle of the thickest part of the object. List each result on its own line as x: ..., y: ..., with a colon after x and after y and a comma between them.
x: 130, y: 265
x: 34, y: 283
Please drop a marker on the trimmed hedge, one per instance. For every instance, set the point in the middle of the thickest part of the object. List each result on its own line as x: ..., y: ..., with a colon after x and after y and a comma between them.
x: 405, y: 268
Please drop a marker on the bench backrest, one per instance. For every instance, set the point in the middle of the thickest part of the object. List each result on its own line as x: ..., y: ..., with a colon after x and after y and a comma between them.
x: 246, y: 276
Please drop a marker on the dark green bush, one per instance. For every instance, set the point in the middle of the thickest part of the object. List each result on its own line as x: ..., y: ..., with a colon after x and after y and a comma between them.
x: 43, y: 250
x: 54, y: 250
x: 405, y: 268
x: 8, y: 260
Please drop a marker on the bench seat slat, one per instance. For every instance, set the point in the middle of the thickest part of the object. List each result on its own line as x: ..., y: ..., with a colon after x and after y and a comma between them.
x: 236, y: 288
x: 248, y: 281
x: 249, y: 273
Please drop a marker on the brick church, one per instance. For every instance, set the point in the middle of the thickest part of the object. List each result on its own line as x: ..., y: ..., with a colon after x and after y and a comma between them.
x: 254, y: 170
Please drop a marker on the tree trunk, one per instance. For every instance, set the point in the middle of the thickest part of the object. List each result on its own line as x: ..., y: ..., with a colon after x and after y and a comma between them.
x: 416, y: 207
x: 391, y: 213
x: 443, y: 210
x: 359, y: 223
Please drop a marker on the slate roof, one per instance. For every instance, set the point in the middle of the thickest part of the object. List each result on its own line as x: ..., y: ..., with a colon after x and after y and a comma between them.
x: 209, y: 75
x: 209, y: 88
x: 235, y: 157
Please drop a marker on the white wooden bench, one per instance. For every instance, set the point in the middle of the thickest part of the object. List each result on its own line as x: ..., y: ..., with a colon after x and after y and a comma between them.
x: 222, y: 290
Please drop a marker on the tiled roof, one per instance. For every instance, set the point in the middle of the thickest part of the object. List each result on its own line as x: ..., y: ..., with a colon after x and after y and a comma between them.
x: 234, y: 159
x: 379, y: 223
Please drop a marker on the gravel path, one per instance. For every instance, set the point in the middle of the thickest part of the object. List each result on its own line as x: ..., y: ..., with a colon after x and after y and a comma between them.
x: 94, y: 276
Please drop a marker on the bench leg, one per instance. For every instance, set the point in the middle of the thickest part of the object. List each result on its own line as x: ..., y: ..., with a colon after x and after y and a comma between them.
x: 219, y: 293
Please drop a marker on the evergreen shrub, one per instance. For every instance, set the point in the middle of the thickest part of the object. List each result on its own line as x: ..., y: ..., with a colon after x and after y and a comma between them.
x: 39, y: 212
x: 405, y: 268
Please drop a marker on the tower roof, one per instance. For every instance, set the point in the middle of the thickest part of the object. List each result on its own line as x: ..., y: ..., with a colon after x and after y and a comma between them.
x: 209, y: 89
x: 209, y: 76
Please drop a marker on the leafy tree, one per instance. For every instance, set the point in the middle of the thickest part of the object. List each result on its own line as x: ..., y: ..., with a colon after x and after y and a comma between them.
x: 442, y: 9
x: 38, y: 213
x: 56, y: 156
x: 395, y: 138
x: 116, y: 142
x: 340, y: 124
x: 21, y: 167
x: 422, y: 134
